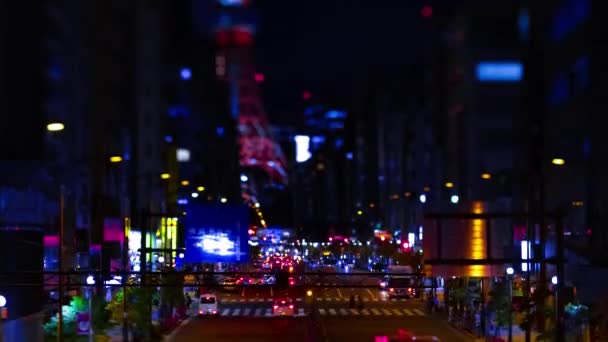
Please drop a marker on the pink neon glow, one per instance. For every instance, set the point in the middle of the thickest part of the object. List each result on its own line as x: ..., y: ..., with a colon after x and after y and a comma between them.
x: 426, y: 12
x: 306, y: 95
x: 112, y: 230
x: 259, y: 77
x: 95, y: 248
x: 51, y: 241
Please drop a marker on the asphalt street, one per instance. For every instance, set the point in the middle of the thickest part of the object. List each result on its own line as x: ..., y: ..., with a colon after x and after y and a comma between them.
x: 245, y: 314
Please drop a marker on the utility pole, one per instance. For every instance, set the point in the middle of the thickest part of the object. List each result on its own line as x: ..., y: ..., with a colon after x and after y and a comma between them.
x: 60, y: 262
x: 534, y: 106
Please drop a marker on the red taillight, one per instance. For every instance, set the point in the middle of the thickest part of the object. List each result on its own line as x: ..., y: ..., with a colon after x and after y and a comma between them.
x: 291, y: 306
x: 200, y: 312
x: 214, y: 312
x: 276, y: 307
x: 391, y: 290
x: 409, y: 289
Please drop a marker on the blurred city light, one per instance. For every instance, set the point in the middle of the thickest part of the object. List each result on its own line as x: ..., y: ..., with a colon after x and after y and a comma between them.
x: 449, y: 184
x: 185, y: 182
x: 161, y: 259
x: 90, y: 281
x: 302, y: 148
x: 507, y: 71
x: 259, y: 77
x: 223, y: 200
x: 554, y: 280
x: 426, y: 12
x: 422, y: 198
x: 55, y: 127
x: 185, y: 74
x: 510, y: 270
x: 115, y: 159
x: 359, y: 212
x: 244, y: 178
x: 165, y: 176
x: 558, y: 161
x: 454, y: 199
x: 200, y: 188
x: 524, y: 255
x: 182, y: 201
x: 486, y: 176
x: 194, y: 194
x: 183, y: 155
x: 306, y: 95
x: 181, y: 255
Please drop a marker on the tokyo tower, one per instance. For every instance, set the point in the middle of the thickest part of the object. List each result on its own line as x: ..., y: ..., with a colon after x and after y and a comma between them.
x: 234, y: 35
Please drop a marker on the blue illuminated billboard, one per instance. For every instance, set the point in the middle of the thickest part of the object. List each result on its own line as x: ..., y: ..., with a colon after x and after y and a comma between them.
x: 505, y: 71
x: 216, y: 233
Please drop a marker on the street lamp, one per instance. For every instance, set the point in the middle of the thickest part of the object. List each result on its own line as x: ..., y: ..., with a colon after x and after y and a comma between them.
x: 223, y: 200
x: 449, y: 185
x: 165, y: 176
x: 510, y: 272
x: 454, y: 199
x: 115, y: 159
x: 422, y: 198
x: 558, y: 161
x: 200, y: 188
x: 486, y: 176
x: 194, y: 194
x: 55, y: 127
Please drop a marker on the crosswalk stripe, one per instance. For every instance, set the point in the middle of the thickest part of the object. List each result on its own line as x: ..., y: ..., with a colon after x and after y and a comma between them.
x: 319, y: 299
x: 386, y: 312
x: 408, y: 312
x: 268, y: 312
x: 366, y: 299
x: 225, y: 312
x: 376, y: 312
x: 322, y: 312
x: 236, y: 312
x: 354, y: 312
x: 332, y: 312
x: 418, y: 311
x: 258, y: 312
x: 343, y: 312
x: 328, y: 299
x: 251, y: 300
x: 260, y: 300
x: 242, y: 300
x: 298, y: 299
x: 365, y: 312
x: 397, y: 312
x: 247, y: 312
x: 300, y: 311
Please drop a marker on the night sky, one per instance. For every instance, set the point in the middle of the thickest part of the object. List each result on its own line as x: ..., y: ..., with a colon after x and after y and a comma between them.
x: 329, y: 47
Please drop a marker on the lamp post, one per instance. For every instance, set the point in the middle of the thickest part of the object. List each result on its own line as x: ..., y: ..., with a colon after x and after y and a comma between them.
x: 90, y: 283
x: 510, y: 272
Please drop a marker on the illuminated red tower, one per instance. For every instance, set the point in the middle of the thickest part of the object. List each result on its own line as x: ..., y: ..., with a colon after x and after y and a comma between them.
x: 234, y: 35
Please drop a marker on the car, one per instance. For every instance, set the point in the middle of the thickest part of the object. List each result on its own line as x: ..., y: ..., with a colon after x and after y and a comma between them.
x: 400, y: 287
x: 283, y: 307
x: 207, y: 305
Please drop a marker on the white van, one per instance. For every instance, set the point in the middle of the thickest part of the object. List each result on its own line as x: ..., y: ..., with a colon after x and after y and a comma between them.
x: 207, y: 305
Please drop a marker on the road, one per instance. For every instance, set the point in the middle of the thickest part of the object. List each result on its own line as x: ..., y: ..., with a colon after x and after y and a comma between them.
x: 247, y: 316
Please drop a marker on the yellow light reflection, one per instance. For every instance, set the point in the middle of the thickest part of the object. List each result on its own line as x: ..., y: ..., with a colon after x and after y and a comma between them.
x: 478, y: 243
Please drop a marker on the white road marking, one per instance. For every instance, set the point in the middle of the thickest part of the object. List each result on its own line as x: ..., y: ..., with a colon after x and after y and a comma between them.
x: 408, y: 312
x: 332, y: 312
x: 371, y: 294
x: 236, y: 312
x: 343, y: 312
x: 376, y: 312
x: 419, y: 312
x: 268, y: 312
x: 258, y: 312
x: 397, y: 312
x: 322, y: 312
x: 365, y: 312
x: 247, y: 312
x: 301, y: 312
x: 354, y: 312
x: 386, y: 312
x: 225, y: 312
x: 339, y: 293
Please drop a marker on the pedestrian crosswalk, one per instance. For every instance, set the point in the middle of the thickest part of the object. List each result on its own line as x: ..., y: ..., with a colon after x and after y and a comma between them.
x: 299, y: 312
x: 371, y: 312
x: 254, y: 312
x: 318, y: 299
